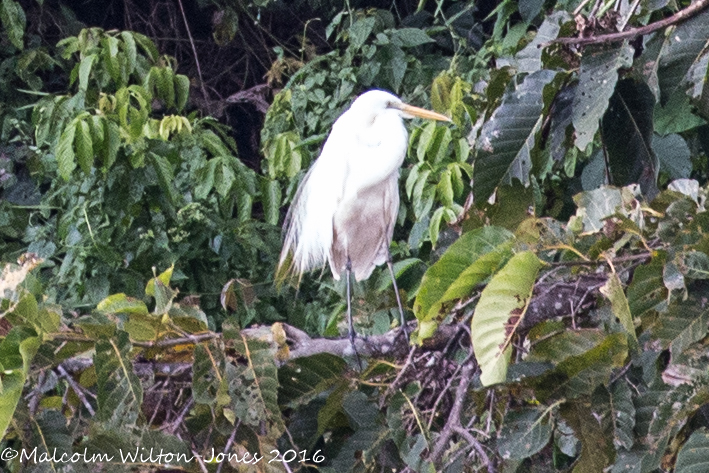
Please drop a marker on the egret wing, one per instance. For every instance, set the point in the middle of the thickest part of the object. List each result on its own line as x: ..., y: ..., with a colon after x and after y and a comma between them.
x: 363, y: 229
x: 308, y: 226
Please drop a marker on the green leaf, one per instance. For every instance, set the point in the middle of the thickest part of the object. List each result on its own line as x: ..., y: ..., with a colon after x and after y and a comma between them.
x: 508, y: 137
x: 597, y: 450
x: 359, y: 32
x: 166, y: 176
x: 142, y: 328
x: 596, y: 205
x: 524, y: 433
x: 253, y: 386
x: 52, y: 435
x: 529, y: 59
x: 84, y: 146
x: 85, y: 70
x: 130, y: 50
x: 119, y: 394
x: 529, y: 9
x: 474, y: 257
x: 585, y: 358
x: 182, y: 91
x: 369, y: 431
x: 393, y: 65
x: 613, y: 290
x: 622, y: 415
x: 684, y: 46
x: 693, y: 457
x: 673, y: 154
x: 112, y: 142
x: 683, y: 324
x: 676, y: 116
x: 224, y: 177
x: 147, y: 45
x: 66, y: 159
x: 271, y: 201
x: 597, y: 79
x: 17, y: 350
x: 13, y: 20
x: 303, y: 379
x: 44, y: 320
x: 122, y: 304
x: 646, y: 290
x: 695, y: 265
x: 205, y: 179
x: 627, y: 135
x: 501, y: 307
x: 410, y: 37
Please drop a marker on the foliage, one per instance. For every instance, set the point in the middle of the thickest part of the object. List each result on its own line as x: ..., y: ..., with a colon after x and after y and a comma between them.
x: 560, y: 220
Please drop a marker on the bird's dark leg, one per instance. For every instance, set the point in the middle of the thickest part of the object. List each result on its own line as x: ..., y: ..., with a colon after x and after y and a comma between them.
x: 398, y: 297
x: 351, y: 330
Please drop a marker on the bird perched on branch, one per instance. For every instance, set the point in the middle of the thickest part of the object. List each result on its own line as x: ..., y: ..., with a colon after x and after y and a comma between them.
x: 346, y: 206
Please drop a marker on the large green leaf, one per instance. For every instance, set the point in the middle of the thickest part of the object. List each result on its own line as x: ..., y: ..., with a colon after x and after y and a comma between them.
x: 120, y: 394
x: 529, y: 59
x: 683, y: 324
x: 16, y: 353
x: 673, y: 154
x: 627, y: 136
x: 13, y: 20
x: 585, y: 359
x: 613, y: 290
x: 365, y: 419
x: 506, y: 140
x: 597, y: 79
x: 52, y: 436
x: 303, y: 379
x: 646, y: 290
x: 524, y: 432
x: 466, y: 263
x: 501, y: 307
x: 684, y: 46
x: 694, y: 455
x: 253, y: 385
x: 64, y: 152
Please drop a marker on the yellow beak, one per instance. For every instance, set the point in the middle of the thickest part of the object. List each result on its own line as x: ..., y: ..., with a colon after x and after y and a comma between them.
x: 421, y: 112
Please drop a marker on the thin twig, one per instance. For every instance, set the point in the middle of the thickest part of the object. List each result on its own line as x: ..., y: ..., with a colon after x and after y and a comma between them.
x: 409, y: 362
x: 678, y: 17
x: 621, y: 259
x: 77, y: 389
x: 454, y: 416
x: 228, y: 445
x: 625, y: 21
x: 194, y: 51
x: 476, y: 445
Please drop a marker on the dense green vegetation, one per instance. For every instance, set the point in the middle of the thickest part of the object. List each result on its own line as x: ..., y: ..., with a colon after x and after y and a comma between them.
x: 551, y: 245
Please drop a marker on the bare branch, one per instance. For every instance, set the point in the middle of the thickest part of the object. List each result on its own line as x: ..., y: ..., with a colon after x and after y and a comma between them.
x: 677, y: 18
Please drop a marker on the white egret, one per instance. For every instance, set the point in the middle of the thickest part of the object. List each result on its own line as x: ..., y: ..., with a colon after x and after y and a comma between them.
x: 346, y: 206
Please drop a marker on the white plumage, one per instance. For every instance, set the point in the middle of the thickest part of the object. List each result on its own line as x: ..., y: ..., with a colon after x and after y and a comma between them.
x: 345, y: 209
x: 346, y: 206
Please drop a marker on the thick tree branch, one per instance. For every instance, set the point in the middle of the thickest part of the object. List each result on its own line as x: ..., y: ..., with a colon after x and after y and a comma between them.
x: 678, y: 17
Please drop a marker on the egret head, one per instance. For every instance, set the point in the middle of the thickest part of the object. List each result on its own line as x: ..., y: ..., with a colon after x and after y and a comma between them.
x: 377, y: 101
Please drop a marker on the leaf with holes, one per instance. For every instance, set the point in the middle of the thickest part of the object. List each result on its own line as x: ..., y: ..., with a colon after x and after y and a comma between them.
x: 597, y: 79
x: 501, y: 308
x: 506, y: 141
x: 120, y: 394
